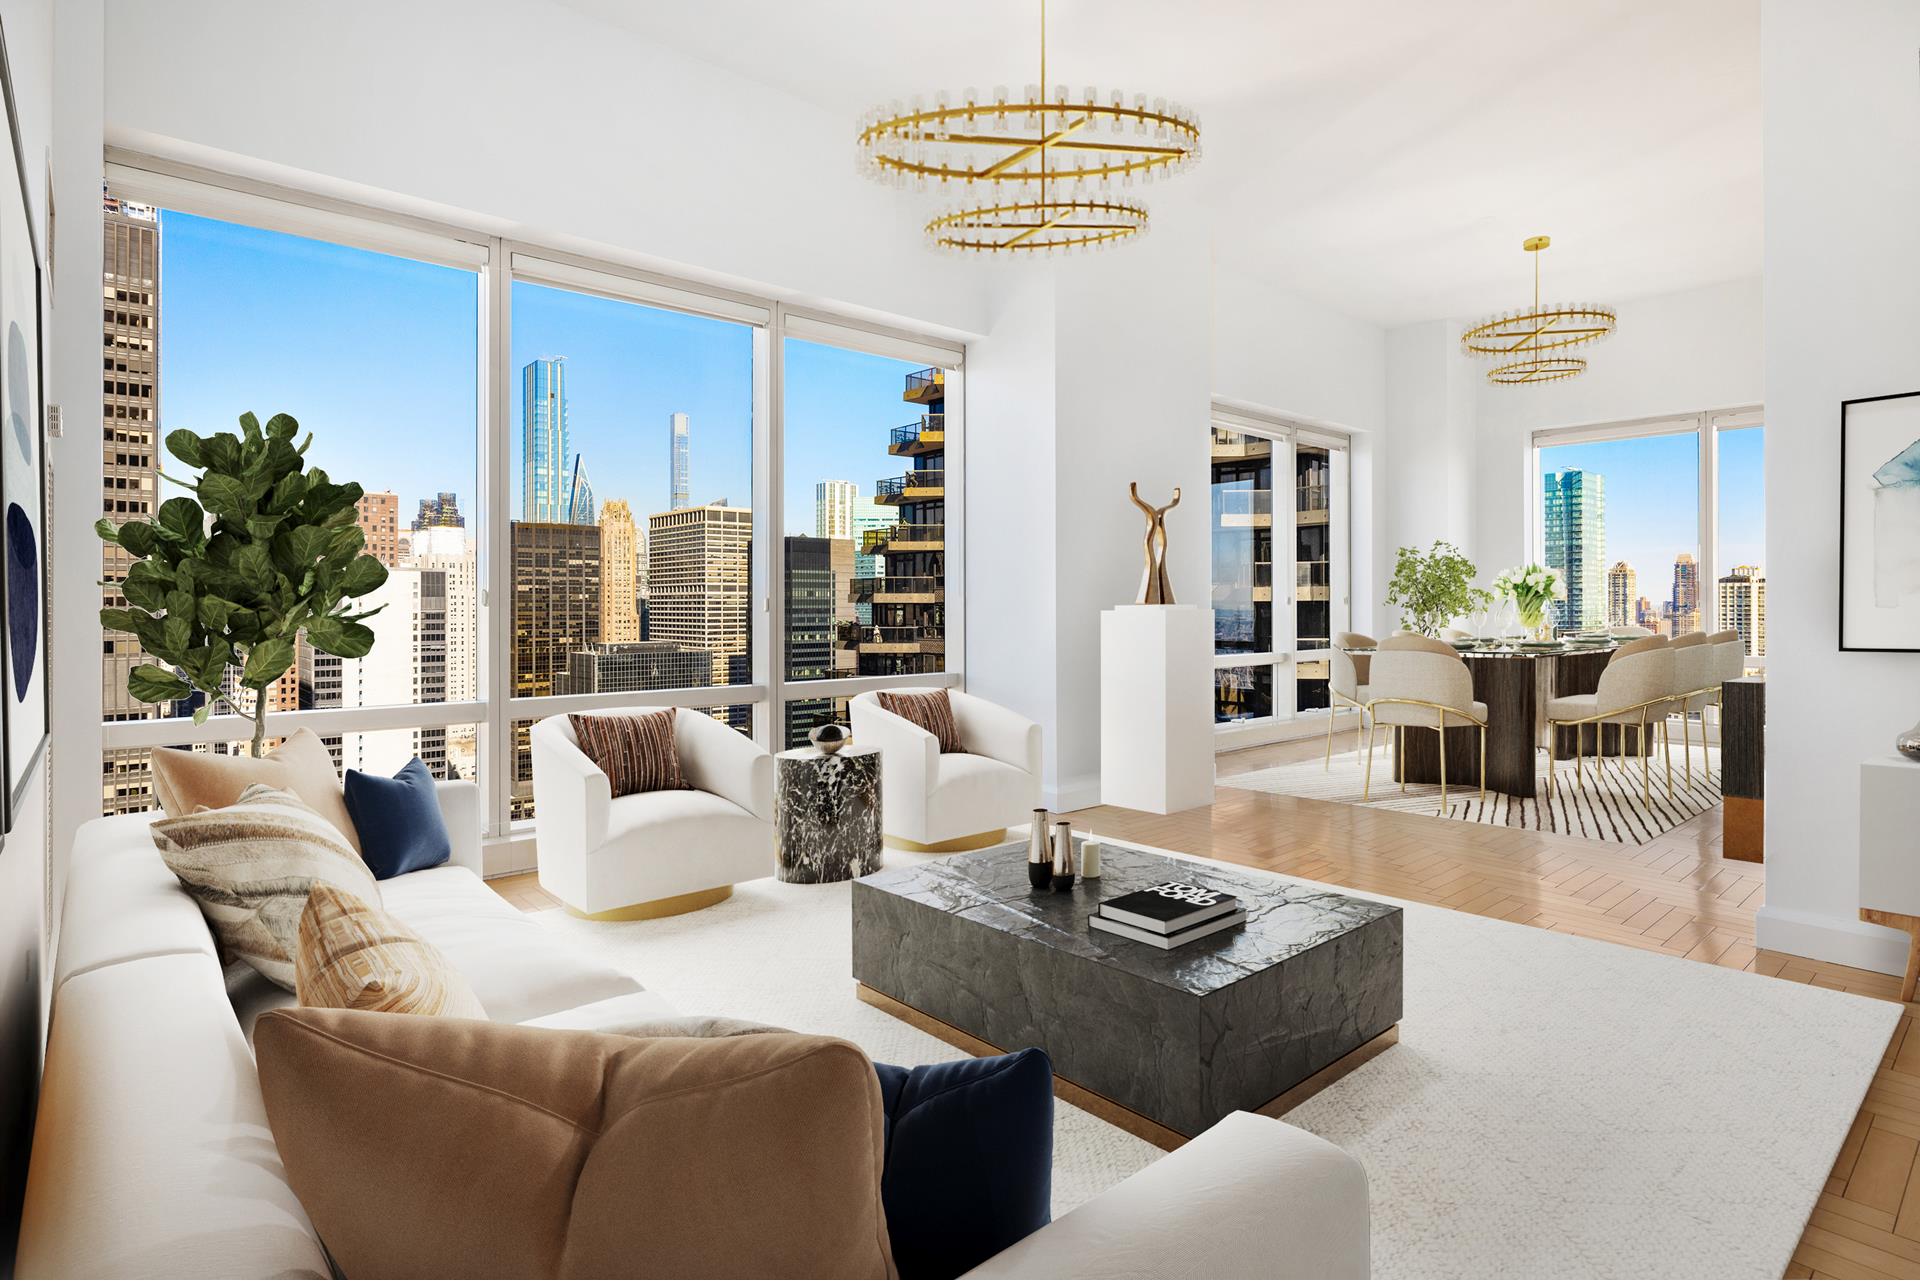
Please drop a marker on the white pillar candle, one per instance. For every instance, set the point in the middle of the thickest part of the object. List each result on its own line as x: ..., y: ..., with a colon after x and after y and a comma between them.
x: 1090, y: 861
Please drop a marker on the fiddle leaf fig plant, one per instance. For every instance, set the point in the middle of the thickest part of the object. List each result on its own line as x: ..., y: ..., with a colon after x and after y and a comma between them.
x: 225, y: 582
x: 1434, y: 586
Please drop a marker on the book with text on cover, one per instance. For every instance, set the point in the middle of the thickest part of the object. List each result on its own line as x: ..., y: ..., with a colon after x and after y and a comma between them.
x: 1169, y: 907
x: 1167, y: 941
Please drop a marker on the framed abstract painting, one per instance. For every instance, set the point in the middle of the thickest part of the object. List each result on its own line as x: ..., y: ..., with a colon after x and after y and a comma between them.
x: 23, y: 597
x: 1880, y: 523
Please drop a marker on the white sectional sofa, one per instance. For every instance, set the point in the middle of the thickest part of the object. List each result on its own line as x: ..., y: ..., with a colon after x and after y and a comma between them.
x: 152, y: 1155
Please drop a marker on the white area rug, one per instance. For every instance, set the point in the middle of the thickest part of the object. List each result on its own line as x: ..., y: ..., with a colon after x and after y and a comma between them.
x: 1555, y: 1107
x: 1602, y: 803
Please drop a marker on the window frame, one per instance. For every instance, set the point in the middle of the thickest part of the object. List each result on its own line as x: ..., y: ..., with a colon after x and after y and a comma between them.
x: 1283, y: 660
x: 1705, y: 426
x: 499, y: 262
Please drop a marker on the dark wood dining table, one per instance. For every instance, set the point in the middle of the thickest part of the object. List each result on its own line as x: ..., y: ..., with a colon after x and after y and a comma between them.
x: 1516, y: 684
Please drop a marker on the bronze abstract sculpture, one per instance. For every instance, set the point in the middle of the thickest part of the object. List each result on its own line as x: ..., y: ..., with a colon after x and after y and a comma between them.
x: 1154, y: 587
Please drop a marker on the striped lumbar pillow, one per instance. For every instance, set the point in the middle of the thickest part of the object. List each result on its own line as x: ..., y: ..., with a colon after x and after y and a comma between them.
x: 931, y: 712
x: 636, y: 751
x: 353, y: 956
x: 250, y: 866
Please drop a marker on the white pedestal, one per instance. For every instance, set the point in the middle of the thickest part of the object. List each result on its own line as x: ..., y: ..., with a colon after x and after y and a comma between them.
x: 1889, y: 817
x: 1156, y: 710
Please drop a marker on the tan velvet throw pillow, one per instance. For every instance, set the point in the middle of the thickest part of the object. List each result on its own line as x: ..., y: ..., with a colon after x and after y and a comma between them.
x: 250, y: 865
x: 449, y: 1148
x: 186, y: 781
x: 931, y: 712
x: 353, y: 956
x: 635, y: 750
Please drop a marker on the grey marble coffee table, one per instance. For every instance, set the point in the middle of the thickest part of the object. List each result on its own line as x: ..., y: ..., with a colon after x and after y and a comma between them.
x: 1164, y: 1043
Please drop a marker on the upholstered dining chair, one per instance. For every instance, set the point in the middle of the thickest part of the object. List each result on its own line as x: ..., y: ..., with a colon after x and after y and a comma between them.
x: 1348, y: 685
x: 1633, y: 630
x: 1693, y: 686
x: 1729, y: 663
x: 1635, y: 687
x: 1417, y: 682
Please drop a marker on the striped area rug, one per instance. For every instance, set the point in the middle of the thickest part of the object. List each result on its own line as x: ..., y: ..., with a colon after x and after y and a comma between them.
x: 1605, y: 806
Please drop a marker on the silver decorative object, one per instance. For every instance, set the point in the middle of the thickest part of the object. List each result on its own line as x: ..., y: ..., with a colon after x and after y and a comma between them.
x: 1155, y: 589
x: 1063, y: 860
x: 1908, y: 743
x: 1040, y: 851
x: 829, y: 738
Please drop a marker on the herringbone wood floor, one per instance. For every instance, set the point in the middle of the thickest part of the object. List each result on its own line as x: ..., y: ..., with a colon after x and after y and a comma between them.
x: 1675, y: 895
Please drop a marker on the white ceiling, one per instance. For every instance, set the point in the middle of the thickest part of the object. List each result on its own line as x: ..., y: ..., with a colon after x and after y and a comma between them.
x: 1384, y: 156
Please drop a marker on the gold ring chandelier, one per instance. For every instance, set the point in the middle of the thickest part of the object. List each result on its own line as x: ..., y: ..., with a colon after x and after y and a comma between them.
x: 1020, y: 153
x: 1528, y: 342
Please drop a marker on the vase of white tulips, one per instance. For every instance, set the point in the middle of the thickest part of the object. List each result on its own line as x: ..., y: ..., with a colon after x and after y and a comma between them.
x: 1530, y: 588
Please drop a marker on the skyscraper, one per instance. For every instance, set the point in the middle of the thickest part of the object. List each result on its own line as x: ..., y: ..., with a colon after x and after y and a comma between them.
x: 619, y: 575
x: 1622, y: 591
x: 556, y: 610
x: 544, y: 446
x: 445, y: 549
x: 907, y: 597
x: 623, y: 668
x: 810, y: 630
x: 440, y: 512
x: 1683, y: 610
x: 698, y: 566
x: 682, y: 463
x: 840, y: 510
x: 130, y: 475
x: 1743, y: 607
x: 1576, y: 546
x: 833, y: 508
x: 407, y: 664
x: 580, y: 504
x: 379, y: 515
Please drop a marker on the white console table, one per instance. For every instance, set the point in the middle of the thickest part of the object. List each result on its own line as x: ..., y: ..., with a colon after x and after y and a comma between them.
x: 1889, y: 854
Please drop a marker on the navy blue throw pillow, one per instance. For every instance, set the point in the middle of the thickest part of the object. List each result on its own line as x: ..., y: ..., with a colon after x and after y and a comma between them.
x: 399, y: 821
x: 969, y: 1159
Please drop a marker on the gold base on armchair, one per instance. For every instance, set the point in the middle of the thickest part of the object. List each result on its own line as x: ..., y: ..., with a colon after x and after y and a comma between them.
x: 660, y: 907
x: 958, y: 845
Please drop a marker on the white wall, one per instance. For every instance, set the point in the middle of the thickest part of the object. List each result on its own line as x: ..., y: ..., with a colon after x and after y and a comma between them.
x: 1842, y: 271
x: 544, y: 122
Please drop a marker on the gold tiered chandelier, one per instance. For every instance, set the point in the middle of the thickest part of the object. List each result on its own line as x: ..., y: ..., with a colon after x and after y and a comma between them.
x: 1530, y: 344
x: 1050, y: 162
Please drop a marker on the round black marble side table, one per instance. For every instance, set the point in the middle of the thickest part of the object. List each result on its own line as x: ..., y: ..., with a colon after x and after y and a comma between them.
x: 826, y: 814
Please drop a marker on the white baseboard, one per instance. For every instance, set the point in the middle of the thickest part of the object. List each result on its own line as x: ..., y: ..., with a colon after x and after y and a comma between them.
x: 1828, y: 938
x: 1063, y: 797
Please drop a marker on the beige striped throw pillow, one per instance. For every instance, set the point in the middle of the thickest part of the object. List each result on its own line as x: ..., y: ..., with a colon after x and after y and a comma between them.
x: 636, y: 751
x: 353, y: 956
x: 250, y: 866
x: 931, y: 712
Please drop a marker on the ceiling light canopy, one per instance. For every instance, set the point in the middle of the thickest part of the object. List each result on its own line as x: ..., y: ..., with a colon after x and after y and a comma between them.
x: 1528, y: 343
x: 1043, y: 166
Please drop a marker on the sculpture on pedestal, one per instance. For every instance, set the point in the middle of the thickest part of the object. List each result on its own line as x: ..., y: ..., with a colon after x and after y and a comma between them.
x: 1154, y: 587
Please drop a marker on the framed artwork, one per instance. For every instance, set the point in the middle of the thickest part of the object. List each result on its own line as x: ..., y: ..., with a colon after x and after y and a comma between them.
x: 23, y: 516
x: 1880, y: 523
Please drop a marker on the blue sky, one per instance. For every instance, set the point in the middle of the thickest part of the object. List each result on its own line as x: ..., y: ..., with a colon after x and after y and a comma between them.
x: 1653, y: 503
x: 377, y: 356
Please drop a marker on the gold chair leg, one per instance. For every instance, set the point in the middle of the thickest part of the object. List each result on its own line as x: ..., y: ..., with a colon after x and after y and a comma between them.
x: 1686, y: 742
x: 1443, y: 762
x: 1580, y: 753
x: 1366, y: 790
x: 1553, y: 729
x: 1483, y: 764
x: 1359, y: 730
x: 1400, y: 754
x: 1329, y: 764
x: 1646, y: 762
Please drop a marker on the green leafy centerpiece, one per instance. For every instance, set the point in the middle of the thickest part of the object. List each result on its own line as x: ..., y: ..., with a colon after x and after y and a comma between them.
x: 1531, y: 588
x: 280, y: 556
x: 1434, y: 587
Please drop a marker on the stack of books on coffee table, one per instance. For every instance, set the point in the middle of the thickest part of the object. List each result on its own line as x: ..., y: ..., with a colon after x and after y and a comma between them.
x: 1168, y: 914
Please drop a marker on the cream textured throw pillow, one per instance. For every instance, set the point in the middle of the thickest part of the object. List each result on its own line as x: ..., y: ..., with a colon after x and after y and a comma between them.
x: 188, y: 781
x: 353, y: 956
x: 251, y: 866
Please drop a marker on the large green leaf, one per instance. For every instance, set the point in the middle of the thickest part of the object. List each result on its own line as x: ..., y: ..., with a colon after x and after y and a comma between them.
x: 225, y: 495
x: 206, y: 664
x: 107, y: 530
x: 118, y: 620
x: 255, y: 566
x: 138, y: 538
x: 213, y: 612
x: 222, y: 451
x: 251, y: 426
x: 147, y: 584
x: 177, y: 630
x: 150, y: 684
x: 266, y: 662
x: 181, y: 520
x: 187, y: 447
x: 282, y: 427
x: 364, y: 575
x: 333, y: 635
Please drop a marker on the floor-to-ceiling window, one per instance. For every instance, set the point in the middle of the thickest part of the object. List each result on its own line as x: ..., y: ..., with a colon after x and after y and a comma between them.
x: 578, y: 475
x: 1655, y: 524
x: 1275, y: 488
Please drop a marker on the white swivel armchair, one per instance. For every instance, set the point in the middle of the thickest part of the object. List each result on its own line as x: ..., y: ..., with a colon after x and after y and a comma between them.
x: 653, y: 853
x: 949, y: 801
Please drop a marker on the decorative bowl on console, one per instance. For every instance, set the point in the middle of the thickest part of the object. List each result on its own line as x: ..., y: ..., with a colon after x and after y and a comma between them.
x: 829, y: 738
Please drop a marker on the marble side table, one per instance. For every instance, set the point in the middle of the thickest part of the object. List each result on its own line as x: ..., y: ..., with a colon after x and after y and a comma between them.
x: 826, y: 814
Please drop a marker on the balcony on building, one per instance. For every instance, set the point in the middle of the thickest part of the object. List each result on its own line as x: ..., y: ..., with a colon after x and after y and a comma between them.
x: 912, y: 639
x: 1310, y: 505
x: 1245, y: 508
x: 896, y: 589
x: 894, y: 540
x: 926, y: 386
x: 1230, y: 445
x: 914, y: 487
x: 927, y: 436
